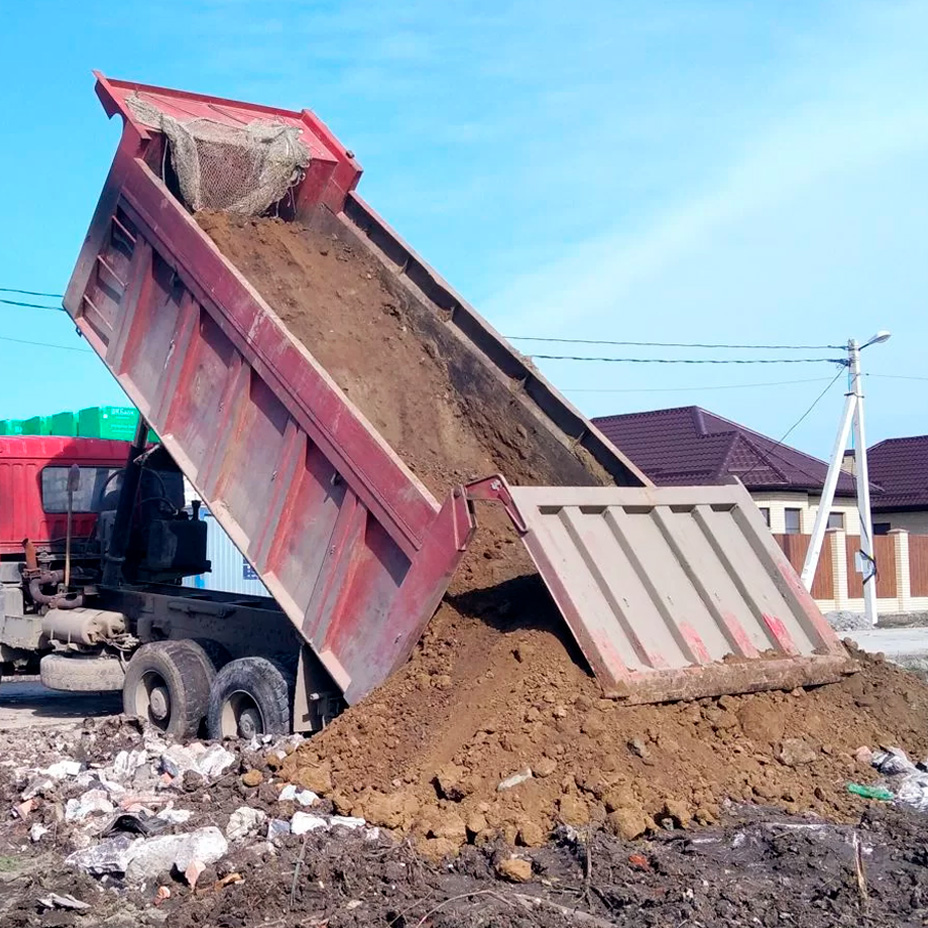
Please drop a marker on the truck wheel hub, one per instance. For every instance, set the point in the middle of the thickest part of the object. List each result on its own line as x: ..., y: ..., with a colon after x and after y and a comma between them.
x: 249, y: 723
x: 159, y: 703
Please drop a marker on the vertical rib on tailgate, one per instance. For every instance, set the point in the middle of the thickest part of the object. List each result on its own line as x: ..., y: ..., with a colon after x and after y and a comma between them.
x: 677, y: 592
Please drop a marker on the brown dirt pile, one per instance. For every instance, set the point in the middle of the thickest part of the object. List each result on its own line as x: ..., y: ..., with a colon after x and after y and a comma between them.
x: 395, y: 360
x: 487, y: 696
x: 493, y: 687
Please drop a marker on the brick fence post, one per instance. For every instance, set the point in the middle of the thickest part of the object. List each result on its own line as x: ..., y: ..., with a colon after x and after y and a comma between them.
x: 839, y: 567
x: 903, y: 573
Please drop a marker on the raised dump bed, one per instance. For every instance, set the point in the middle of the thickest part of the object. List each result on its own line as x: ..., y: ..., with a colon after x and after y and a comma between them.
x: 350, y: 539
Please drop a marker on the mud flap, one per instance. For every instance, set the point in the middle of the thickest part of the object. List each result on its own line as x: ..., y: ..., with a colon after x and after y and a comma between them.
x: 676, y: 592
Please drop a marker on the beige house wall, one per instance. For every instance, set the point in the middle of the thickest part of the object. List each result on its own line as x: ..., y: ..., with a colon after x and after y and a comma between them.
x: 914, y: 522
x: 778, y: 503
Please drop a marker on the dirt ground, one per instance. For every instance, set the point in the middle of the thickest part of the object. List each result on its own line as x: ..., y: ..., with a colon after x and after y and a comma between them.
x: 757, y: 866
x: 495, y: 687
x: 29, y: 704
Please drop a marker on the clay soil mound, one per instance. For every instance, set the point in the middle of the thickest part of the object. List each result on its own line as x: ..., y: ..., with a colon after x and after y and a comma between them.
x: 494, y: 687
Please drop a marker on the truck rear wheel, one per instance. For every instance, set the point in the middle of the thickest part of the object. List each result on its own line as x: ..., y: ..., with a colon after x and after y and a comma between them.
x: 167, y: 684
x: 250, y: 696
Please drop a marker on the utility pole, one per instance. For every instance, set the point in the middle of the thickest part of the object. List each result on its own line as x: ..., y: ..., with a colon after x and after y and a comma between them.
x: 853, y: 414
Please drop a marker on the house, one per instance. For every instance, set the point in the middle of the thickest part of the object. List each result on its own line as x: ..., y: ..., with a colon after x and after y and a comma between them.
x: 689, y: 445
x: 899, y: 467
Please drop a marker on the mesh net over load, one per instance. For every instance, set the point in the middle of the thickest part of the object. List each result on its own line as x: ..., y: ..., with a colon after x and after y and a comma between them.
x: 236, y: 169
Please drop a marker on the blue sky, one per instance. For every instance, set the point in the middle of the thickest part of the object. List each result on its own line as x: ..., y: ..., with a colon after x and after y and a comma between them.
x: 685, y: 171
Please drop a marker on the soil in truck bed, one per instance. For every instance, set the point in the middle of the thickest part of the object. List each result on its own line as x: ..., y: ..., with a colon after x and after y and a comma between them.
x: 496, y: 687
x: 416, y: 384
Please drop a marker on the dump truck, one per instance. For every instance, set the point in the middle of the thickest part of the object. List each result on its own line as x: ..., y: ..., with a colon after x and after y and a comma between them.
x: 671, y: 593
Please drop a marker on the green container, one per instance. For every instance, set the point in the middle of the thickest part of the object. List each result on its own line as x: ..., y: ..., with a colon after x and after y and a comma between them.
x: 64, y: 423
x: 11, y: 427
x: 37, y: 425
x: 114, y: 422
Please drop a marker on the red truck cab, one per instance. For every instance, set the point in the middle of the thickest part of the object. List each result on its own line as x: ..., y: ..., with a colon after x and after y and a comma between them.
x: 33, y: 489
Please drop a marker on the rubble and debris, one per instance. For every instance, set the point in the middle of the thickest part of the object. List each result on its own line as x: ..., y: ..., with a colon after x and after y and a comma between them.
x: 515, y: 869
x: 63, y: 768
x: 163, y: 892
x: 153, y: 857
x: 302, y: 822
x: 193, y: 871
x: 277, y: 828
x: 514, y: 779
x: 292, y: 793
x: 59, y: 901
x: 109, y: 857
x: 243, y: 822
x: 93, y: 801
x: 893, y: 762
x: 208, y: 762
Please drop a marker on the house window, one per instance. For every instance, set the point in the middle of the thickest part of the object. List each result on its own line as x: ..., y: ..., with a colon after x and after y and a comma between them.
x: 792, y: 519
x: 765, y: 512
x: 836, y: 520
x: 882, y: 528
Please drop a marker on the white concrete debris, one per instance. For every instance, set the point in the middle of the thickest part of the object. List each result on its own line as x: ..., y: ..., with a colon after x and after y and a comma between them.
x: 37, y: 832
x: 291, y: 793
x: 111, y: 856
x: 36, y: 786
x: 142, y: 859
x: 209, y: 762
x: 174, y: 816
x: 515, y: 779
x: 56, y: 901
x: 125, y: 763
x: 277, y: 827
x: 63, y: 769
x: 347, y: 821
x: 152, y: 857
x: 95, y: 800
x: 303, y: 822
x: 243, y: 822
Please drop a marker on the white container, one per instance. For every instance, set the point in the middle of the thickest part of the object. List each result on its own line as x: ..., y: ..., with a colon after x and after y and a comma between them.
x: 230, y: 573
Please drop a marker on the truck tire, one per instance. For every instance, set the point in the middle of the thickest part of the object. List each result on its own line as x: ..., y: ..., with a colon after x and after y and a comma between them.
x: 250, y: 696
x: 167, y: 684
x: 75, y: 673
x: 217, y: 653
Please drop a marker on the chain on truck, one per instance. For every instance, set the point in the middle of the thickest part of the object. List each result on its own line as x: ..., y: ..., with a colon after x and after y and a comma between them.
x: 670, y: 592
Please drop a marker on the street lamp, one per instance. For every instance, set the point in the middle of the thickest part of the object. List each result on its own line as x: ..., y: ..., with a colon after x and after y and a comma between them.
x: 853, y: 413
x: 878, y: 339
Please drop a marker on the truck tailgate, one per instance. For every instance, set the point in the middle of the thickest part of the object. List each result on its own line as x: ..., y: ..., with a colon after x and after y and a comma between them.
x: 677, y: 592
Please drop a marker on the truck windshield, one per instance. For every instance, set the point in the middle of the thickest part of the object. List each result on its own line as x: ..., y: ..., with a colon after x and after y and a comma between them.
x: 95, y: 491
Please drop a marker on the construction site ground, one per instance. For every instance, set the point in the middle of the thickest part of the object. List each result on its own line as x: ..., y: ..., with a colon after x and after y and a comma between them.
x: 755, y: 866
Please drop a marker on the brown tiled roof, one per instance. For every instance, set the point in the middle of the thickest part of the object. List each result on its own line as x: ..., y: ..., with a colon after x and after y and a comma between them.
x: 900, y: 467
x: 690, y: 445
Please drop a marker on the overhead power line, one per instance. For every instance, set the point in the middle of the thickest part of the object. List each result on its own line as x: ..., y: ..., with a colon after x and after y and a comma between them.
x: 567, y: 357
x: 53, y: 296
x: 23, y: 341
x: 57, y: 309
x: 597, y: 341
x: 895, y: 377
x: 766, y: 458
x: 691, y: 388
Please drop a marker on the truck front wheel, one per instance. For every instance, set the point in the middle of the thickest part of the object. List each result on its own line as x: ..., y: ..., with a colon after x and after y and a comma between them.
x: 167, y: 684
x: 250, y: 696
